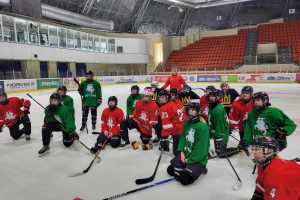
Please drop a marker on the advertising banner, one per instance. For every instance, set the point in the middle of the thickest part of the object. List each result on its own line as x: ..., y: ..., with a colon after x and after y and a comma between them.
x: 2, y: 88
x: 190, y: 78
x: 278, y: 77
x: 48, y: 83
x: 19, y: 85
x: 298, y: 78
x: 228, y: 78
x: 208, y: 78
x: 69, y: 82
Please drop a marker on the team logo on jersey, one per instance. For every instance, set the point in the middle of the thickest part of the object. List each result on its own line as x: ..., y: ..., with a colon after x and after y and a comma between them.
x: 190, y: 137
x: 10, y: 115
x: 261, y: 125
x: 110, y: 122
x: 57, y: 118
x: 90, y: 88
x: 143, y: 116
x: 226, y: 99
x: 185, y: 100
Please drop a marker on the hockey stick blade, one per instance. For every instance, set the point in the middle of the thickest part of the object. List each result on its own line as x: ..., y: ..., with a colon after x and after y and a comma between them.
x: 151, y: 178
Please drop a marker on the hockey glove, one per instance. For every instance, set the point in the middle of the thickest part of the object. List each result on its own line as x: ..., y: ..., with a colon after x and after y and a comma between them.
x: 244, y: 148
x: 1, y: 130
x: 164, y: 144
x: 257, y: 196
x: 219, y: 146
x: 99, y: 101
x: 74, y: 135
x: 26, y: 111
x: 281, y: 134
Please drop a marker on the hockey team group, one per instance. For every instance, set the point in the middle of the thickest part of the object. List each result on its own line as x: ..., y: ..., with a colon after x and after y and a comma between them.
x: 177, y: 117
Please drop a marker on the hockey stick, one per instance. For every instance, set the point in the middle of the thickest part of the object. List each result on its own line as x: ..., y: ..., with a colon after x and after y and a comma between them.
x: 254, y: 169
x: 82, y: 108
x: 61, y: 124
x: 199, y: 89
x: 239, y: 184
x: 234, y: 138
x: 139, y: 189
x: 151, y: 178
x: 88, y: 168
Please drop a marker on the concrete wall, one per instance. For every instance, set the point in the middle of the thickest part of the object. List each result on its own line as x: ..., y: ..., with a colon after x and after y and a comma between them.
x: 267, y: 48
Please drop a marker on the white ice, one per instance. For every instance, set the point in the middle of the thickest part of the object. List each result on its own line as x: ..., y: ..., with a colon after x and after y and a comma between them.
x: 25, y: 176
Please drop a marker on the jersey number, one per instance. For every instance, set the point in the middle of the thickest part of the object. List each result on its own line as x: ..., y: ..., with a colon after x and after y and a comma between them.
x: 164, y: 115
x: 180, y: 114
x: 272, y: 193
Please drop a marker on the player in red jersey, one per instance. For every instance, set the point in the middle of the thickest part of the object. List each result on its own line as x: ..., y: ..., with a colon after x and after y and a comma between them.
x: 172, y: 117
x: 239, y: 111
x: 174, y: 81
x: 12, y: 116
x: 110, y: 127
x: 204, y: 101
x: 143, y: 118
x: 277, y: 179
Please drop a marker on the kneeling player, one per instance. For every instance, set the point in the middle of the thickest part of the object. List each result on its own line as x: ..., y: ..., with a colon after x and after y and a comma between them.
x: 277, y: 178
x: 12, y: 116
x: 193, y: 148
x: 58, y: 118
x: 110, y: 128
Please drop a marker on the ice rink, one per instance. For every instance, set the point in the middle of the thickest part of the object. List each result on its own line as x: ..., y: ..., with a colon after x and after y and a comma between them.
x: 25, y: 176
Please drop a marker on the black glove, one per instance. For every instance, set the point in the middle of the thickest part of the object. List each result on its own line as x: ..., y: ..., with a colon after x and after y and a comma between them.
x: 99, y: 101
x: 80, y: 91
x: 244, y: 147
x: 219, y: 146
x: 257, y: 196
x: 26, y: 111
x: 50, y: 111
x: 1, y: 129
x: 74, y: 135
x: 164, y: 144
x: 281, y: 134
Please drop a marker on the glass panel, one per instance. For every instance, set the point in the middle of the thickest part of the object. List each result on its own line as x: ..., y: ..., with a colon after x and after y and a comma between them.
x: 8, y: 28
x: 83, y: 40
x: 0, y: 28
x: 103, y: 45
x: 77, y: 40
x: 111, y: 41
x: 97, y: 43
x: 70, y: 39
x: 62, y: 37
x: 22, y: 35
x: 111, y: 46
x: 53, y: 36
x: 90, y: 42
x: 33, y: 29
x: 44, y: 35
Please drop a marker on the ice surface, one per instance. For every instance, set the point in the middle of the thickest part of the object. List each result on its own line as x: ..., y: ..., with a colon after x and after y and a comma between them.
x: 25, y: 176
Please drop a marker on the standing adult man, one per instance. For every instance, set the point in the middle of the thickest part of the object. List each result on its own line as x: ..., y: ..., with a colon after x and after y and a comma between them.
x: 174, y: 81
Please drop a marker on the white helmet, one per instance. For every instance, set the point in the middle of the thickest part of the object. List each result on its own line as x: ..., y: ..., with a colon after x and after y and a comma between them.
x: 155, y: 83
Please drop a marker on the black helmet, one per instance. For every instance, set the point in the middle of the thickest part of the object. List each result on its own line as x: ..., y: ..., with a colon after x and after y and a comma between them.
x: 247, y: 89
x: 209, y: 88
x: 270, y: 148
x: 174, y: 91
x: 224, y: 85
x: 89, y: 73
x: 187, y: 88
x: 3, y: 94
x: 164, y: 93
x: 264, y: 97
x: 55, y: 96
x: 194, y: 105
x: 63, y: 88
x: 135, y: 87
x: 113, y: 98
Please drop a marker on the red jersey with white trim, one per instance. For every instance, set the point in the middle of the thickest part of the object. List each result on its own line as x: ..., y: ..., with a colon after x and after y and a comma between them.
x: 111, y: 120
x: 280, y: 180
x: 239, y: 113
x: 146, y: 114
x: 175, y: 81
x: 10, y: 112
x: 204, y: 106
x: 172, y: 117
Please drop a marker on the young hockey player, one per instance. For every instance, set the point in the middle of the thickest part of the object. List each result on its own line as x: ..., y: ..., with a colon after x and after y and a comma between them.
x: 193, y: 147
x: 239, y: 111
x: 110, y: 128
x: 143, y: 118
x: 174, y: 96
x: 174, y: 81
x: 187, y: 96
x: 90, y: 90
x: 58, y: 118
x: 132, y: 99
x: 277, y: 179
x: 155, y: 91
x: 66, y: 99
x: 12, y: 116
x: 204, y: 101
x: 228, y: 96
x: 172, y: 117
x: 264, y: 120
x: 219, y: 125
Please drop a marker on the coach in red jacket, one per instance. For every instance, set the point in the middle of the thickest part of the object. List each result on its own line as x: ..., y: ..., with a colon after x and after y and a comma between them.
x: 12, y: 116
x: 174, y: 81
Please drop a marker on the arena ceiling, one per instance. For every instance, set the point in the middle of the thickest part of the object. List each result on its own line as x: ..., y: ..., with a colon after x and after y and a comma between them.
x: 175, y: 17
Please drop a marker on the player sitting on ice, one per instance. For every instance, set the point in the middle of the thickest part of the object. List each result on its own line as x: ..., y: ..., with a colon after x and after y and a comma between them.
x: 12, y: 116
x: 66, y: 99
x: 132, y: 99
x: 277, y: 179
x: 58, y: 118
x: 268, y: 121
x: 172, y: 117
x: 219, y: 125
x: 110, y: 128
x: 187, y: 96
x: 193, y: 147
x: 204, y: 101
x: 239, y: 112
x: 144, y: 118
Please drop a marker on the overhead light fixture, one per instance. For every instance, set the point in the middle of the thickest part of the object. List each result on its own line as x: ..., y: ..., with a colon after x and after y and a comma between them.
x: 179, y: 8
